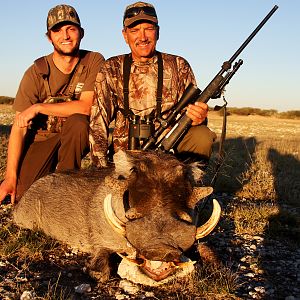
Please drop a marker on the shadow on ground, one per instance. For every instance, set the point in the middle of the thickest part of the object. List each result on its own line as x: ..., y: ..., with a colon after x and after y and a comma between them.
x: 282, y: 235
x: 278, y: 255
x: 5, y: 130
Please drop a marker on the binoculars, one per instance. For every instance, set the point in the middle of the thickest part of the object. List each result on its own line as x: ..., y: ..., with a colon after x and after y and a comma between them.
x: 140, y: 129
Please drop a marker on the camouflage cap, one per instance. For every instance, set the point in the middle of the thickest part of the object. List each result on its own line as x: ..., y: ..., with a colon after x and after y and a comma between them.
x: 62, y: 13
x: 139, y: 11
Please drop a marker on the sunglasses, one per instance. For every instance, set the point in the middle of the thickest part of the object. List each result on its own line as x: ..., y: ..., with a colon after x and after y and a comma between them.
x: 134, y: 11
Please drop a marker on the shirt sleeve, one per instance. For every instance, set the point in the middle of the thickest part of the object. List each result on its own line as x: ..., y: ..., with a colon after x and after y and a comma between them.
x: 188, y: 77
x: 102, y: 112
x: 29, y: 90
x: 185, y: 74
x: 95, y: 63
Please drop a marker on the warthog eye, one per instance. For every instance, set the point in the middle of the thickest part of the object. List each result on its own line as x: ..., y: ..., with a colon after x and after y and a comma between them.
x: 184, y: 216
x: 133, y: 169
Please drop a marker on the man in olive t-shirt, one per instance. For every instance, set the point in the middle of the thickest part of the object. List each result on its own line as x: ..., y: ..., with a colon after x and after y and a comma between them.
x: 50, y: 130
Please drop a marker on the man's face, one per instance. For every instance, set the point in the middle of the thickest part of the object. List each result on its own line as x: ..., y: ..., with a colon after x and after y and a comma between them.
x: 66, y: 39
x: 142, y: 39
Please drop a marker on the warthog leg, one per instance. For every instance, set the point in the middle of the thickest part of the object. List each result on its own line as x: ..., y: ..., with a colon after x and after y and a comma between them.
x: 98, y: 267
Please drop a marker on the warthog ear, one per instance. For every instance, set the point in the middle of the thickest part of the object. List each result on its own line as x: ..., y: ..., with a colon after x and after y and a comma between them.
x: 123, y: 163
x: 198, y: 194
x: 194, y: 172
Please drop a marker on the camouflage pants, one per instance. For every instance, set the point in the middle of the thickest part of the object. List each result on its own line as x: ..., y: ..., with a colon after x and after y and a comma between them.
x: 55, y: 151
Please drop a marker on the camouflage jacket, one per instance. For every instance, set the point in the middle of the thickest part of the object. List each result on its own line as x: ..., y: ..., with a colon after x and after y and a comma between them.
x: 177, y: 75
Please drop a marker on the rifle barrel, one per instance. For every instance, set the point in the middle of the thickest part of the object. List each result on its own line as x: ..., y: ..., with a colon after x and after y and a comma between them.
x: 251, y: 36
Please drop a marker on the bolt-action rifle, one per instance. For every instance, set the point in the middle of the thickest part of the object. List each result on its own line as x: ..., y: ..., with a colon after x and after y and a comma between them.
x: 178, y: 120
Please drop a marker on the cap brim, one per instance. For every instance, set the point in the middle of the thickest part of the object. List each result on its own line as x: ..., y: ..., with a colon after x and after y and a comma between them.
x: 140, y: 17
x: 64, y: 21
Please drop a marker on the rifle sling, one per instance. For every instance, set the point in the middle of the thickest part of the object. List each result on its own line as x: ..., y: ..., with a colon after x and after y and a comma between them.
x: 43, y: 69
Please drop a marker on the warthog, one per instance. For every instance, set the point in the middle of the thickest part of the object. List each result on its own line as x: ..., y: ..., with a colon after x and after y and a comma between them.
x: 142, y: 208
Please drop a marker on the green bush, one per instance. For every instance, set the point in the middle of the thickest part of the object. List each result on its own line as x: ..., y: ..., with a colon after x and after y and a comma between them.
x: 291, y: 114
x: 247, y: 111
x: 268, y: 112
x: 6, y: 100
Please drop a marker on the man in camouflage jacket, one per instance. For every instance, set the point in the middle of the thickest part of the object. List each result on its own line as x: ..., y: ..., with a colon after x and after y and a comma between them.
x: 141, y: 32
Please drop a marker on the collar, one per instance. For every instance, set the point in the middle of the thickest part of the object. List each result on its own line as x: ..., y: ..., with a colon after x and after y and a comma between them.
x: 150, y: 61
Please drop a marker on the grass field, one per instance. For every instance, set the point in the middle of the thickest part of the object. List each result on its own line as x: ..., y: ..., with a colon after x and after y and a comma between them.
x: 258, y: 184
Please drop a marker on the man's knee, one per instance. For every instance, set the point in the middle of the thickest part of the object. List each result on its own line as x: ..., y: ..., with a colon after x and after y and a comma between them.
x: 74, y: 142
x: 203, y: 138
x: 75, y: 133
x: 198, y: 140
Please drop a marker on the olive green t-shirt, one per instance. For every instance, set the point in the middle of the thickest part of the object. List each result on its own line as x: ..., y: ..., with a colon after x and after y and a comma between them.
x: 32, y: 89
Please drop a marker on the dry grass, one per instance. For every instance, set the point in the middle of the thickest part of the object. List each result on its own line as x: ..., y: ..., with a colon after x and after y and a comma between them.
x: 265, y: 165
x: 262, y: 165
x: 261, y: 168
x: 24, y: 242
x: 208, y: 282
x: 272, y: 220
x: 252, y: 219
x: 273, y: 172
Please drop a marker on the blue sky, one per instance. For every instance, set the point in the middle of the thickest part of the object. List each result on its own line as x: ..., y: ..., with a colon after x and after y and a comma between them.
x: 206, y: 33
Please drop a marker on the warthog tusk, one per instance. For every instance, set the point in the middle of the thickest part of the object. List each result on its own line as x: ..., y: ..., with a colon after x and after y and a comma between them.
x: 117, y: 225
x: 209, y: 226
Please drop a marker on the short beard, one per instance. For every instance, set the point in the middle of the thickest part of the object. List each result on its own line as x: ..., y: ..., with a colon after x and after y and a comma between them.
x: 73, y: 53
